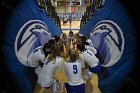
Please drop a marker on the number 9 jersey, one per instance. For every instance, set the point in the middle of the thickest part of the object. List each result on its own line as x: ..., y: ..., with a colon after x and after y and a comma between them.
x: 74, y: 72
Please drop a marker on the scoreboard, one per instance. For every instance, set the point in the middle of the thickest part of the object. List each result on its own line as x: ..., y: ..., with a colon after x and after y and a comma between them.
x: 73, y: 3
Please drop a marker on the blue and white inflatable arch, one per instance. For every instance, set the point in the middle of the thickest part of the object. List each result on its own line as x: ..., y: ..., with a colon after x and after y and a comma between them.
x: 108, y: 39
x: 31, y: 35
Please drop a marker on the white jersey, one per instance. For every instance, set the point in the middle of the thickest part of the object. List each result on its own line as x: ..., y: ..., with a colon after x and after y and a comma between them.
x: 90, y: 42
x: 35, y: 56
x: 46, y: 76
x: 88, y: 57
x: 91, y: 48
x: 74, y: 73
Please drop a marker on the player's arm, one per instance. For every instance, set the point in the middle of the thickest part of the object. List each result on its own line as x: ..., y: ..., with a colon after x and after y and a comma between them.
x: 41, y: 56
x: 60, y: 66
x: 83, y: 65
x: 31, y: 62
x: 92, y: 49
x: 81, y: 57
x: 84, y: 71
x: 90, y: 42
x: 95, y: 68
x: 65, y: 69
x: 41, y: 59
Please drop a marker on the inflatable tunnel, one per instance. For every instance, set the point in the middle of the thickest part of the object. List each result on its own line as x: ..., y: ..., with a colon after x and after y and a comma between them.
x: 29, y: 26
x: 112, y: 32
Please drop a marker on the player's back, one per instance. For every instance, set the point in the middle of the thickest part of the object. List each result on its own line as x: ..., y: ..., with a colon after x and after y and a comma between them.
x: 35, y: 56
x: 89, y: 57
x: 50, y: 66
x: 46, y: 75
x: 74, y: 72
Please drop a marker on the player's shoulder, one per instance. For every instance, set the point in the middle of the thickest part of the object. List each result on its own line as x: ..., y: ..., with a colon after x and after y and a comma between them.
x: 60, y: 59
x: 69, y: 62
x: 78, y: 61
x: 85, y: 51
x: 88, y: 50
x: 87, y: 46
x: 65, y: 63
x: 81, y: 54
x: 38, y: 49
x: 89, y: 40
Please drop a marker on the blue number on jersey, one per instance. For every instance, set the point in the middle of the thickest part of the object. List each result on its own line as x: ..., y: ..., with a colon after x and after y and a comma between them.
x: 75, y: 70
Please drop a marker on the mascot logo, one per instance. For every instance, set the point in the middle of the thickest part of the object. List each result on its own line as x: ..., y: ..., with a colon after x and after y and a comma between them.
x: 32, y: 34
x: 108, y: 39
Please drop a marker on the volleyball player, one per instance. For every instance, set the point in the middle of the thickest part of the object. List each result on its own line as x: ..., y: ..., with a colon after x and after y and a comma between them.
x: 73, y: 69
x: 76, y: 40
x: 37, y: 57
x: 88, y: 57
x: 65, y: 41
x: 88, y: 44
x: 71, y: 36
x: 46, y: 78
x: 86, y: 41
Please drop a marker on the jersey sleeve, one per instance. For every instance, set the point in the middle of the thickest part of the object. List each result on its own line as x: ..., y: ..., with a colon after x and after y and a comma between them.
x: 79, y: 63
x: 90, y: 58
x: 31, y: 62
x: 92, y: 49
x: 41, y: 56
x: 95, y: 62
x: 90, y: 42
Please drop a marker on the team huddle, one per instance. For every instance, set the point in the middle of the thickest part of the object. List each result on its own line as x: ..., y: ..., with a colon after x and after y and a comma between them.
x: 73, y: 52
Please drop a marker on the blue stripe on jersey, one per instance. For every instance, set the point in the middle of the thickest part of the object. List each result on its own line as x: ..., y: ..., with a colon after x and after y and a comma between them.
x: 47, y: 62
x: 95, y: 69
x: 35, y: 50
